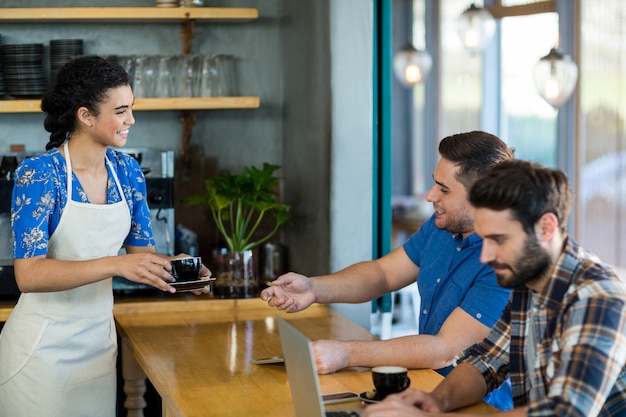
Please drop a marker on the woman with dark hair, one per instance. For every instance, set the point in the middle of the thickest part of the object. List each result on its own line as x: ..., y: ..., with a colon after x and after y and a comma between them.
x: 70, y: 218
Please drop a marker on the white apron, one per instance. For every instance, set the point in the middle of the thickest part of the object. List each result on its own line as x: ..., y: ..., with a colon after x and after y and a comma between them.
x: 58, y: 349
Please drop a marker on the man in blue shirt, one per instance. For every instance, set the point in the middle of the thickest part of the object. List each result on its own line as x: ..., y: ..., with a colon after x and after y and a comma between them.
x: 561, y: 338
x: 460, y: 296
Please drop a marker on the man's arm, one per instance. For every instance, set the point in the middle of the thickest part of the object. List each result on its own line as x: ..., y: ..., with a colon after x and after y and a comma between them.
x: 459, y: 331
x: 358, y: 283
x: 368, y: 280
x: 464, y: 386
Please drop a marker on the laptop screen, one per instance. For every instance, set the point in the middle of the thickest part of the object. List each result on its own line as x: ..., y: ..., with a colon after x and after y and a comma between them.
x: 301, y: 372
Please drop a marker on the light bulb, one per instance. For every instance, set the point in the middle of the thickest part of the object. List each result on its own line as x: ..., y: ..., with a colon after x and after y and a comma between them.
x: 476, y: 27
x: 411, y: 66
x: 471, y: 39
x: 555, y: 77
x: 551, y: 90
x: 413, y: 74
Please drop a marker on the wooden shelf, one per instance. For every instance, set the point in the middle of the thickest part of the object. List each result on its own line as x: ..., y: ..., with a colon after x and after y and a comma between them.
x: 196, y: 103
x: 126, y: 14
x: 186, y: 16
x: 151, y: 104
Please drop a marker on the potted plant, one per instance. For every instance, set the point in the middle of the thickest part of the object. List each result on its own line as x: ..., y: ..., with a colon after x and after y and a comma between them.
x: 240, y: 204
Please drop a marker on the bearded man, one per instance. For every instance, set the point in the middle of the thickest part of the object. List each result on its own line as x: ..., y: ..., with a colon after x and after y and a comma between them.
x: 562, y: 336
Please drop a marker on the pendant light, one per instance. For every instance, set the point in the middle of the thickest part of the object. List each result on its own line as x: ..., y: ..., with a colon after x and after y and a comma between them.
x: 476, y: 27
x: 411, y: 66
x: 555, y: 77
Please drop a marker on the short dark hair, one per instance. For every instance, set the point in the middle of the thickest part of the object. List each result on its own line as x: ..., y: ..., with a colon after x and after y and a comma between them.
x: 528, y: 189
x: 82, y: 82
x: 474, y: 153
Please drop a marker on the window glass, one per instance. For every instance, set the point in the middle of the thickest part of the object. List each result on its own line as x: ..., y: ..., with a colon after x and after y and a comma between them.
x: 601, y: 190
x: 460, y: 89
x: 421, y: 180
x: 461, y: 82
x: 528, y: 123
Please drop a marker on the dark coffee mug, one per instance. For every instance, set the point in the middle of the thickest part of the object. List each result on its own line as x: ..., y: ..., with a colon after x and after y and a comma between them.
x: 389, y: 380
x: 186, y: 269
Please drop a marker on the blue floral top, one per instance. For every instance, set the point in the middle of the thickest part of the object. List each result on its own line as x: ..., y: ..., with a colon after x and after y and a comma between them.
x: 40, y: 195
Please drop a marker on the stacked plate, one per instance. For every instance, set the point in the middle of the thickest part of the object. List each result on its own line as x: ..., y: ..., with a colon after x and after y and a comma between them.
x: 2, y: 87
x: 23, y: 69
x: 61, y: 52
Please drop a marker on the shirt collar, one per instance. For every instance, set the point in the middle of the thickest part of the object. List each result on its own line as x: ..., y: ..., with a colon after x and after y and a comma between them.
x: 561, y: 276
x: 469, y: 241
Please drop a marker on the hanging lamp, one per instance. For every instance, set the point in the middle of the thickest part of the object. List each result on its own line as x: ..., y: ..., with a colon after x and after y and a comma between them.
x: 476, y: 26
x: 411, y: 66
x: 555, y: 77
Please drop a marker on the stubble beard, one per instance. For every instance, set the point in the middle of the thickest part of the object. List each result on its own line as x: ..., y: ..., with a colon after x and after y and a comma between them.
x: 532, y: 264
x: 456, y: 224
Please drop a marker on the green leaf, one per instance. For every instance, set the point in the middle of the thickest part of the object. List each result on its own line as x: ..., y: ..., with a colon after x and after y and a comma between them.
x: 240, y: 202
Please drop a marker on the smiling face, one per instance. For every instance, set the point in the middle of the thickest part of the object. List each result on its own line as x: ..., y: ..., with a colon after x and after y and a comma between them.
x: 517, y: 258
x: 111, y: 126
x: 449, y: 197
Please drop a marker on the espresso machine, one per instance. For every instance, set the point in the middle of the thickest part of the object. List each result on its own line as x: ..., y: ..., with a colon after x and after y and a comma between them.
x: 158, y: 168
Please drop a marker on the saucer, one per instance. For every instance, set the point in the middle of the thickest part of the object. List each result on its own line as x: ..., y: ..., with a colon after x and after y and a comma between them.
x: 192, y: 285
x: 363, y: 397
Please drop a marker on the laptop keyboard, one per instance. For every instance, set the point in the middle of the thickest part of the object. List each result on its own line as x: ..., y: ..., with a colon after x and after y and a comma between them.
x: 342, y: 414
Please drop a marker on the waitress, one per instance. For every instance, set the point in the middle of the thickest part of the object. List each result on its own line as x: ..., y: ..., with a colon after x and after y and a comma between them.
x: 73, y: 208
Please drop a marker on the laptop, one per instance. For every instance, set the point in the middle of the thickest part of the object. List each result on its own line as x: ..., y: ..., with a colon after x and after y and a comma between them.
x: 302, y: 375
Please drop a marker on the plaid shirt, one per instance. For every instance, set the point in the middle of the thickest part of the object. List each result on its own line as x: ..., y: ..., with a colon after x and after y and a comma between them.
x: 579, y: 368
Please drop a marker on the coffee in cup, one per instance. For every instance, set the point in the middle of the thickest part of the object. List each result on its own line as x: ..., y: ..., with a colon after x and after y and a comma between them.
x: 390, y: 380
x: 186, y: 269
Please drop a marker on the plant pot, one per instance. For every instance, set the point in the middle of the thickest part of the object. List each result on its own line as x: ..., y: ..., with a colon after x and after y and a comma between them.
x: 236, y: 274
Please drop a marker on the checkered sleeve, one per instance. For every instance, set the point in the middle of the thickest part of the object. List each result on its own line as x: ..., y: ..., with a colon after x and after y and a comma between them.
x: 491, y: 356
x: 588, y: 356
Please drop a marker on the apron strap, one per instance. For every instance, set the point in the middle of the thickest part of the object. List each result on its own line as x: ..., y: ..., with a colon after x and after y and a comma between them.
x: 68, y: 168
x: 68, y: 164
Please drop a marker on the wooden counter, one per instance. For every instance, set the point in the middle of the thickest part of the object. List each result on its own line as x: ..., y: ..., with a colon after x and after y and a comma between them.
x: 5, y: 309
x: 197, y: 353
x: 126, y: 304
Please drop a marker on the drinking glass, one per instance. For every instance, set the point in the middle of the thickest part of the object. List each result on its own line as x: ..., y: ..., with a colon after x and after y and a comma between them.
x: 150, y: 75
x: 218, y: 76
x: 128, y: 63
x: 225, y: 83
x: 165, y: 84
x: 139, y: 89
x: 209, y: 76
x: 192, y: 75
x: 176, y: 75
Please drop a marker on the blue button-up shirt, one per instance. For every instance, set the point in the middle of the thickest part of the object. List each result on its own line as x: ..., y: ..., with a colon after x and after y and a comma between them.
x: 451, y: 275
